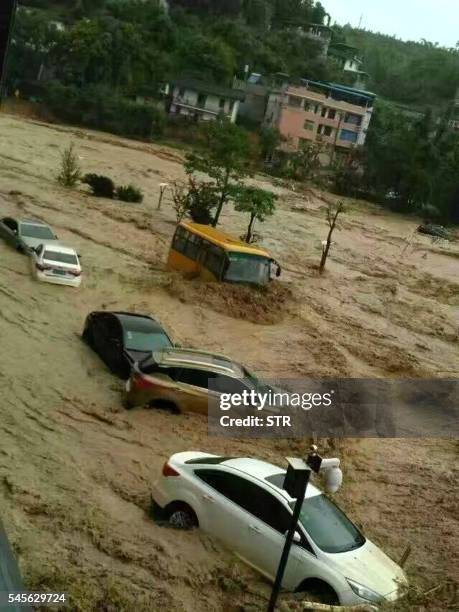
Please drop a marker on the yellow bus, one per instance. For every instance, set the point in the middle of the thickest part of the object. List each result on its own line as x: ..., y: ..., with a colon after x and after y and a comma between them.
x: 202, y: 250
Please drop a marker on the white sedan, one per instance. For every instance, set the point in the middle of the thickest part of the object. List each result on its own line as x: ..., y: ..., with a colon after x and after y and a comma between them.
x: 242, y: 502
x: 54, y: 263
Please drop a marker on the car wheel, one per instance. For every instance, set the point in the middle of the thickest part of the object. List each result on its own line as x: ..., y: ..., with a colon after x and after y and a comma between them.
x: 319, y: 591
x: 182, y: 517
x: 128, y: 405
x: 164, y: 405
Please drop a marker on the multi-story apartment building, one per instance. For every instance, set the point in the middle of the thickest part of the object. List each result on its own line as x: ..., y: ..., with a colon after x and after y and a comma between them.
x: 319, y: 111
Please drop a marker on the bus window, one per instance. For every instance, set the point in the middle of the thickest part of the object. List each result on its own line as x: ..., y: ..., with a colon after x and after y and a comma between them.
x: 246, y: 268
x: 192, y: 247
x: 214, y: 259
x: 180, y: 239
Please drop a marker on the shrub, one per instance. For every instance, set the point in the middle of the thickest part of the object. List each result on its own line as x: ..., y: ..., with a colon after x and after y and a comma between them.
x: 129, y: 193
x: 197, y: 200
x: 101, y: 186
x: 70, y: 170
x: 181, y: 200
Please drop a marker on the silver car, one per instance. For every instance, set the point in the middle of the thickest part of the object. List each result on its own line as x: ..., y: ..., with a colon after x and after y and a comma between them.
x: 25, y: 235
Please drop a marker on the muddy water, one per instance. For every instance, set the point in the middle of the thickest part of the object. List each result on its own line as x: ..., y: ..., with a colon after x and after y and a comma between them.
x: 76, y: 470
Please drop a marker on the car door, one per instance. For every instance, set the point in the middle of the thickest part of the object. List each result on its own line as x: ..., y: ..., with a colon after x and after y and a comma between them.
x: 101, y: 335
x: 220, y: 495
x: 268, y: 527
x: 9, y: 231
x: 194, y: 389
x: 267, y: 521
x: 114, y: 347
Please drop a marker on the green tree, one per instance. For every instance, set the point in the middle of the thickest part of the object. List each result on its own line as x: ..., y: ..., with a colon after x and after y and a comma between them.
x: 226, y: 158
x: 34, y: 39
x: 257, y: 13
x: 259, y: 203
x: 270, y: 139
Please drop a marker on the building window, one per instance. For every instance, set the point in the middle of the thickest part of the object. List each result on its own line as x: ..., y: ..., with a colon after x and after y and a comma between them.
x: 324, y: 111
x: 309, y: 125
x: 221, y: 104
x: 295, y: 101
x: 353, y: 119
x: 325, y: 130
x: 202, y: 99
x: 348, y: 136
x: 331, y: 113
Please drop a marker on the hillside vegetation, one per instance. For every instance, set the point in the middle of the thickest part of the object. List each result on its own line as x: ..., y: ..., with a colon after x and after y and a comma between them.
x: 90, y: 71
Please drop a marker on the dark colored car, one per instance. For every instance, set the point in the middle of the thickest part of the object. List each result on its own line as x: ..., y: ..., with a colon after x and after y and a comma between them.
x: 122, y: 338
x: 438, y: 231
x: 25, y: 235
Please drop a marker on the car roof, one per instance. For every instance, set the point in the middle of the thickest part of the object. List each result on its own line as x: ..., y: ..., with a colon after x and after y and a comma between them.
x: 136, y: 322
x: 261, y: 470
x: 57, y: 248
x: 223, y: 239
x: 198, y: 359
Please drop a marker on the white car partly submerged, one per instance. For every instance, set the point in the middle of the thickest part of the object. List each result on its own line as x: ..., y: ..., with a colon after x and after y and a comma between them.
x: 242, y: 502
x: 55, y: 263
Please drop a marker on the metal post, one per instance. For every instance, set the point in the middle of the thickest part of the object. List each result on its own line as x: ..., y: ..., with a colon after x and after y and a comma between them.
x: 6, y: 27
x: 162, y: 189
x: 302, y: 485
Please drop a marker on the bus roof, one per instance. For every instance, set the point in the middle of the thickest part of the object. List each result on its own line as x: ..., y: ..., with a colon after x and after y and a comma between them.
x: 226, y: 241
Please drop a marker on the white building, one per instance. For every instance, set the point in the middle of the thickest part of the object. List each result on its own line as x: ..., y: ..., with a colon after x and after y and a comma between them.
x: 202, y: 101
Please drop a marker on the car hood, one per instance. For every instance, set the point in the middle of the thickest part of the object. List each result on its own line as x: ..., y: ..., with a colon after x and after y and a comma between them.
x: 370, y: 567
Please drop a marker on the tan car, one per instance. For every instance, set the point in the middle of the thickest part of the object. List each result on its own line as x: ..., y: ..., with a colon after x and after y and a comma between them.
x: 178, y: 379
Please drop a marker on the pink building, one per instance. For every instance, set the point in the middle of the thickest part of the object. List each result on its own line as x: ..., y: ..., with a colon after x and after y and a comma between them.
x: 336, y: 115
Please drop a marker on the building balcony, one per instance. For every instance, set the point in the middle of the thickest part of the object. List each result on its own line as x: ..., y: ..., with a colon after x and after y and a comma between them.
x: 179, y: 102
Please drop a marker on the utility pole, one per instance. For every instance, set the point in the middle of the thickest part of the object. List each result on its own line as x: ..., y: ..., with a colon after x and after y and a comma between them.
x: 295, y: 483
x: 7, y: 14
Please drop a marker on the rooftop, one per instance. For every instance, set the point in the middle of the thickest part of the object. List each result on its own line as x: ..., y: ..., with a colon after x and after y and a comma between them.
x: 223, y: 239
x: 209, y: 88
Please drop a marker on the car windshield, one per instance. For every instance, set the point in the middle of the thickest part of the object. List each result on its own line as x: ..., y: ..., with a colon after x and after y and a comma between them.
x: 136, y: 340
x: 245, y: 268
x: 67, y: 258
x: 328, y: 526
x: 252, y: 381
x: 36, y: 231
